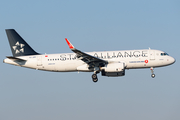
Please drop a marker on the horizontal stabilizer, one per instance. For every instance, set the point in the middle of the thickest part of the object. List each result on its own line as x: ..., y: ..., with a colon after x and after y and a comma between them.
x: 15, y: 58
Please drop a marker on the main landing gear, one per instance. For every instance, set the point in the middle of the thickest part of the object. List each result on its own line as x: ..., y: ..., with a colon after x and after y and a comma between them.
x: 94, y: 76
x: 152, y: 71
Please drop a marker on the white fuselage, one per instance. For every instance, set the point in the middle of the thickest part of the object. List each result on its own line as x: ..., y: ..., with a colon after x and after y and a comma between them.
x: 68, y: 62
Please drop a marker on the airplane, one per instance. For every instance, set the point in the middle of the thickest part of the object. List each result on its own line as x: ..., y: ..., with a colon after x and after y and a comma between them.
x: 109, y: 63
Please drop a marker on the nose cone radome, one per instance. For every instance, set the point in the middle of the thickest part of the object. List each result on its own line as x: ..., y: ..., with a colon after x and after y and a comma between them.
x: 172, y: 60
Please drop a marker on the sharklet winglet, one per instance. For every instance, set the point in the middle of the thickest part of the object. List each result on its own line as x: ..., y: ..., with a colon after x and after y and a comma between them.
x: 69, y: 44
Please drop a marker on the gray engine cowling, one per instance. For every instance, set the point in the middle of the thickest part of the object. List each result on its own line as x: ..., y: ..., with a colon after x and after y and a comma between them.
x: 113, y: 69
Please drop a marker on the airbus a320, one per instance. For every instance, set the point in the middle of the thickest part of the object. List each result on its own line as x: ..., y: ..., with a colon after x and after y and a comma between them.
x: 109, y: 63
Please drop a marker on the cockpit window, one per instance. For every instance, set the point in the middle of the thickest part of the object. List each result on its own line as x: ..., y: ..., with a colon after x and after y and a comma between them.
x: 164, y: 54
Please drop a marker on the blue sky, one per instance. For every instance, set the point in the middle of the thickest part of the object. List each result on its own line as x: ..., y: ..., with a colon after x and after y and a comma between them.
x: 96, y: 25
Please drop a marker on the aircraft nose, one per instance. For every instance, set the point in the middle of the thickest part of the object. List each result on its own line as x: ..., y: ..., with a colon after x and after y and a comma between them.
x: 172, y: 60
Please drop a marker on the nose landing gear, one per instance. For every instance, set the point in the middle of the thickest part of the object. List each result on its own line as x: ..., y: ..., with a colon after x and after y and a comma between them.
x: 152, y: 71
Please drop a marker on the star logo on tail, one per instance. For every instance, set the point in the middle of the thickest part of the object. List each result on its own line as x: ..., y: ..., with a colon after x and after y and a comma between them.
x: 18, y: 48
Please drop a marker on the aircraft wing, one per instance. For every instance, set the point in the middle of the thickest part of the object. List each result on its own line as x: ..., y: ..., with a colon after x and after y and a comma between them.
x: 89, y: 59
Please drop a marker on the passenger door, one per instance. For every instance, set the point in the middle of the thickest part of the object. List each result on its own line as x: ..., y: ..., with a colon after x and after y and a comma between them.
x: 39, y: 60
x: 152, y: 54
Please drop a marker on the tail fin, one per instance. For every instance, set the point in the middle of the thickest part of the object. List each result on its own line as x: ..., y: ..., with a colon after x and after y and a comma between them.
x: 18, y: 45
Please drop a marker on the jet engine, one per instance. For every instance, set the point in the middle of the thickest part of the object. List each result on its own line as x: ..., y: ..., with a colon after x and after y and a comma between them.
x: 113, y: 69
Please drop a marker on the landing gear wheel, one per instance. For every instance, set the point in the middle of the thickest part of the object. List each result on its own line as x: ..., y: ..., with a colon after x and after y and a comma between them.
x: 153, y: 75
x: 95, y: 80
x: 94, y: 77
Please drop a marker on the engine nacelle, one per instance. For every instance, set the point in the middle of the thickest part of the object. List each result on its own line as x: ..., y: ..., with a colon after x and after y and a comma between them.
x: 113, y: 69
